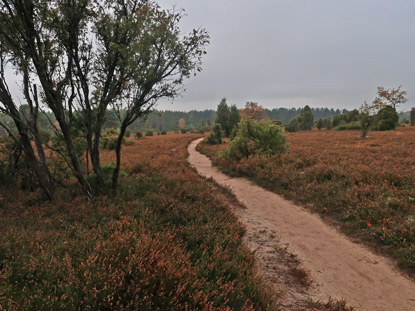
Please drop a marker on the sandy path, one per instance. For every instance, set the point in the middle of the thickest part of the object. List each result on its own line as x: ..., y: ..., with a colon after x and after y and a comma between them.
x: 338, y: 267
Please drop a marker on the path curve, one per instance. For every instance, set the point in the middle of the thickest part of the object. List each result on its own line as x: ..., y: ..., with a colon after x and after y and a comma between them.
x: 339, y: 267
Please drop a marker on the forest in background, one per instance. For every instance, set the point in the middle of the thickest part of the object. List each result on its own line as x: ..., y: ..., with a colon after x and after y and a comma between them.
x: 169, y: 120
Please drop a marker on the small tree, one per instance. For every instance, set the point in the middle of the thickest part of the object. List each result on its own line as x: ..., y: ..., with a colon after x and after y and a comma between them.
x: 308, y: 118
x: 254, y: 111
x: 182, y: 123
x: 319, y: 124
x: 327, y: 124
x: 412, y: 117
x: 292, y: 126
x: 215, y: 138
x: 227, y: 117
x: 389, y: 97
x: 367, y: 113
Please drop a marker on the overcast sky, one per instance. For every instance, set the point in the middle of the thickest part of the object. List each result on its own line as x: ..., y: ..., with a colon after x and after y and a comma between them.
x: 289, y: 53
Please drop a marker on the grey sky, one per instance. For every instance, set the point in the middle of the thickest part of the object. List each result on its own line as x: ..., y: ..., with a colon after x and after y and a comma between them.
x: 289, y: 53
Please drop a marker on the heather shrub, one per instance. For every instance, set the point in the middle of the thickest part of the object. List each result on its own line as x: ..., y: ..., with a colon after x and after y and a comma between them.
x: 256, y: 138
x: 366, y: 183
x: 164, y: 242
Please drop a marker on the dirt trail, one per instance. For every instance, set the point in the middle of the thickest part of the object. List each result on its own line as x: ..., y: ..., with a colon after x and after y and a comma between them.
x: 339, y: 268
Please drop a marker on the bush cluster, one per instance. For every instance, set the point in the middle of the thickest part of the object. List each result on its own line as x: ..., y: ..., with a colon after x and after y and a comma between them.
x: 215, y: 137
x: 253, y: 137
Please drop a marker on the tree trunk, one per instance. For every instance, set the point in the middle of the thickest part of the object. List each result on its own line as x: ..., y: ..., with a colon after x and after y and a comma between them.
x: 41, y: 170
x: 76, y: 164
x: 94, y: 156
x: 116, y: 172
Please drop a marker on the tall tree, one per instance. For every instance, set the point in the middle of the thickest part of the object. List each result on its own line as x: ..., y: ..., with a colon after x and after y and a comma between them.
x: 157, y: 59
x: 307, y: 118
x: 412, y: 116
x: 227, y: 117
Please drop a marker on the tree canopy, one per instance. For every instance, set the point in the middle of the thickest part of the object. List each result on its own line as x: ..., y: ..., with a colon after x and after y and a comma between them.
x: 78, y: 58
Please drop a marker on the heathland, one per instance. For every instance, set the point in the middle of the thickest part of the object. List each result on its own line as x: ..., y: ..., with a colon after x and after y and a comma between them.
x: 366, y: 185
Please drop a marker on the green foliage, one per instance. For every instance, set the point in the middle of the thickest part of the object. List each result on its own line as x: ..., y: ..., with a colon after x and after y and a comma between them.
x: 292, y: 126
x: 149, y: 133
x: 227, y: 117
x: 319, y: 124
x: 107, y: 170
x: 45, y: 135
x: 387, y: 119
x: 14, y: 167
x: 215, y: 138
x: 351, y: 116
x: 412, y: 116
x: 138, y: 134
x: 256, y: 138
x: 109, y: 138
x: 127, y: 133
x: 349, y: 126
x: 307, y: 118
x: 327, y: 124
x: 183, y: 131
x: 163, y: 133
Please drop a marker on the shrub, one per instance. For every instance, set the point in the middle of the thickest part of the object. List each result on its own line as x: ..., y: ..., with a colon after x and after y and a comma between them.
x: 319, y: 124
x: 183, y: 131
x: 215, y: 138
x: 149, y: 133
x: 163, y: 133
x: 127, y: 133
x: 109, y: 138
x: 293, y: 125
x: 387, y: 119
x: 349, y: 126
x: 256, y: 138
x: 138, y: 134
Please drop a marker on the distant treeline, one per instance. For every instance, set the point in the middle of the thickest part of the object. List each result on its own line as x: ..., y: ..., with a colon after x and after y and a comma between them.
x: 286, y: 114
x: 169, y: 120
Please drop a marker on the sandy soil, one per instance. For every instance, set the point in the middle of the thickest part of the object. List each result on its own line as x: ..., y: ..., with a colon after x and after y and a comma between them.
x: 339, y: 268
